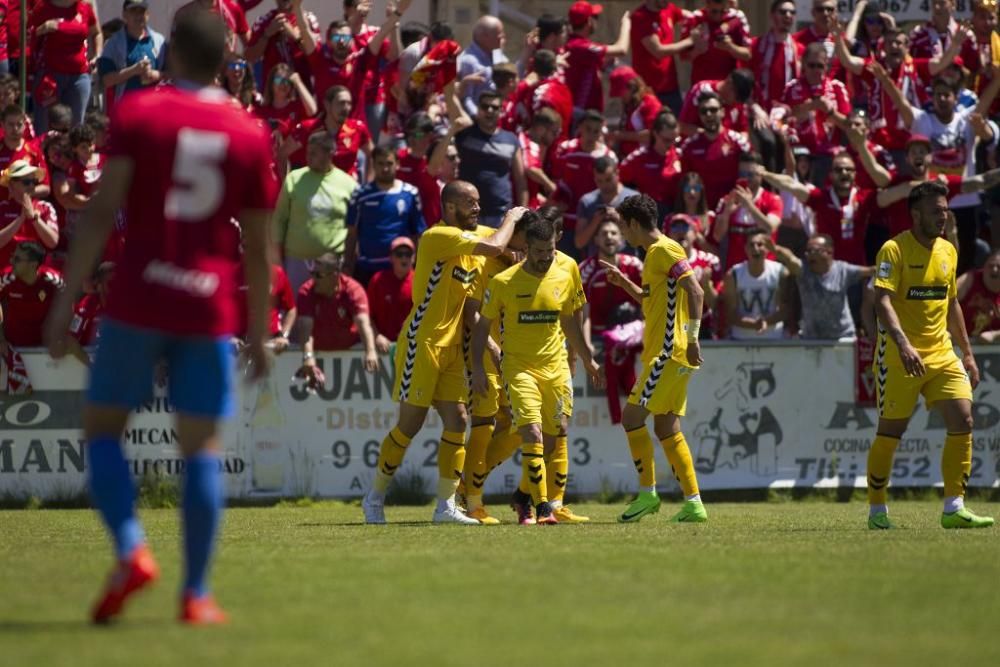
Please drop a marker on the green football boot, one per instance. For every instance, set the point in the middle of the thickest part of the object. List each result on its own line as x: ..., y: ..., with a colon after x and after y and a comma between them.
x: 963, y: 518
x: 693, y: 511
x: 647, y: 502
x: 879, y: 521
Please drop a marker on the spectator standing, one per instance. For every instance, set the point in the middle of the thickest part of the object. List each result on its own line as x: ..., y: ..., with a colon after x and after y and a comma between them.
x: 421, y: 160
x: 984, y: 28
x: 286, y: 101
x: 490, y: 158
x: 85, y: 326
x: 720, y: 36
x: 640, y: 108
x: 333, y: 315
x: 707, y: 267
x: 859, y: 126
x: 65, y: 39
x: 595, y: 206
x: 775, y: 56
x: 753, y: 294
x: 585, y: 57
x: 390, y: 294
x: 277, y: 37
x: 735, y: 91
x: 232, y: 14
x: 73, y: 192
x: 715, y: 151
x: 655, y: 169
x: 748, y: 208
x: 573, y: 165
x: 134, y: 57
x: 387, y: 49
x: 691, y: 202
x: 536, y: 150
x: 933, y: 38
x: 351, y: 135
x: 543, y: 87
x: 310, y: 216
x: 238, y: 81
x: 821, y: 30
x: 15, y: 147
x: 867, y: 29
x: 651, y: 37
x: 979, y: 295
x: 378, y: 213
x: 477, y: 61
x: 824, y: 284
x: 23, y: 217
x: 27, y: 290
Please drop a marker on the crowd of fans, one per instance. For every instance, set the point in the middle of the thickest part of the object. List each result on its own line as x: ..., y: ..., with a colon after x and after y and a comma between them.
x: 781, y: 168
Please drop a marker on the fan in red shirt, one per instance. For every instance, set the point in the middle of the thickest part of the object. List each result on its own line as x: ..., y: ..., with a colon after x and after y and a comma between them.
x: 278, y: 38
x: 542, y: 88
x: 416, y: 169
x: 573, y: 164
x: 59, y: 43
x: 686, y: 230
x: 720, y: 36
x: 858, y: 125
x: 27, y: 292
x: 15, y: 147
x: 653, y: 48
x: 537, y: 144
x: 73, y: 192
x: 822, y: 30
x: 748, y: 208
x: 585, y: 58
x: 233, y: 15
x: 655, y: 169
x: 24, y: 217
x: 85, y: 328
x: 378, y: 79
x: 639, y: 109
x: 352, y: 134
x: 734, y: 91
x: 818, y: 104
x: 714, y: 152
x: 984, y: 25
x: 390, y: 294
x: 287, y: 101
x: 933, y: 38
x: 979, y: 295
x: 775, y: 56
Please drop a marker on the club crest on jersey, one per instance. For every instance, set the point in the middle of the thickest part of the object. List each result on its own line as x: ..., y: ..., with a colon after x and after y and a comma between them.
x: 884, y: 270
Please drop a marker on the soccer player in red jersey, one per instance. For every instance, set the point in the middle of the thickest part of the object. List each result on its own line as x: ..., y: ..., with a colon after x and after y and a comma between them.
x: 721, y: 39
x: 183, y: 180
x: 653, y: 48
x: 585, y: 58
x: 27, y: 292
x: 715, y: 151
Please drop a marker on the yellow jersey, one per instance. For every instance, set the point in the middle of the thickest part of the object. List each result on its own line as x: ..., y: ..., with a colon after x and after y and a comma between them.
x: 922, y: 282
x: 664, y: 304
x: 443, y: 278
x: 492, y: 266
x: 529, y: 309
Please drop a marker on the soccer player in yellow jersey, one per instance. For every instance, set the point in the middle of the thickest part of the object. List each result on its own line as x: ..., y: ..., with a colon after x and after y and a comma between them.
x: 917, y: 307
x: 430, y: 366
x: 536, y: 302
x: 671, y: 305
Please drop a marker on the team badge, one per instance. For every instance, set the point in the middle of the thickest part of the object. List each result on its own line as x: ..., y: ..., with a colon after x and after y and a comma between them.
x: 884, y: 270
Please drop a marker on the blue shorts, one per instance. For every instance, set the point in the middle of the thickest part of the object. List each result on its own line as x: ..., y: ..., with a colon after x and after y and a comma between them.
x: 200, y: 370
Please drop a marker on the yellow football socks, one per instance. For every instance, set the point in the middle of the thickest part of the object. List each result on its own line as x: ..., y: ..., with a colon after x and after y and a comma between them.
x: 451, y: 460
x: 503, y: 445
x: 880, y: 468
x: 475, y: 464
x: 557, y: 470
x: 641, y: 446
x: 390, y: 456
x: 956, y: 463
x: 679, y: 455
x: 533, y: 469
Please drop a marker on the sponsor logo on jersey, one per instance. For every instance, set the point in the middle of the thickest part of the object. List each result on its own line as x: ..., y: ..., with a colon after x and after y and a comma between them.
x: 463, y: 276
x: 927, y: 292
x: 538, y: 317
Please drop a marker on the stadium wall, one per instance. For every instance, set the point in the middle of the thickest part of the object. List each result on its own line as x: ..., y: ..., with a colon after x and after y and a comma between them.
x: 778, y: 416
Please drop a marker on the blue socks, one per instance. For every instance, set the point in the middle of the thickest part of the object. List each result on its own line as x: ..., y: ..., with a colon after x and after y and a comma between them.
x: 113, y: 494
x: 202, y: 509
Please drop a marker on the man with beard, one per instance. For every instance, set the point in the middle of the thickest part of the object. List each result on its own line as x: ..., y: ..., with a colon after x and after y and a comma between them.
x: 714, y: 152
x: 430, y: 365
x: 351, y: 135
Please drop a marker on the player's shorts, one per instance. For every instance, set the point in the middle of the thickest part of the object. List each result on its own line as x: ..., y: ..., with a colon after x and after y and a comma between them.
x: 426, y: 373
x: 662, y: 387
x: 538, y: 398
x: 897, y: 392
x: 568, y: 380
x: 489, y: 404
x: 200, y: 370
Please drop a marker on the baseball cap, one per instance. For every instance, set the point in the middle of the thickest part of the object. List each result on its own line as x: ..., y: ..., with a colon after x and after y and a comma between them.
x: 580, y: 12
x: 132, y: 4
x: 682, y: 219
x: 918, y: 139
x: 402, y: 242
x: 620, y: 78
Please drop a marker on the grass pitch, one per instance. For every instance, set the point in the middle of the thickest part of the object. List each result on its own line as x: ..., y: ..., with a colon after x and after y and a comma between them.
x: 761, y: 584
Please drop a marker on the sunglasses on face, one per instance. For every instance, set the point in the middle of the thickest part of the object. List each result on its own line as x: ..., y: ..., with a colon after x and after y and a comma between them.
x: 282, y: 80
x: 874, y: 20
x: 26, y: 182
x: 692, y: 189
x: 341, y: 39
x: 239, y: 65
x: 815, y: 65
x: 786, y: 12
x: 826, y: 10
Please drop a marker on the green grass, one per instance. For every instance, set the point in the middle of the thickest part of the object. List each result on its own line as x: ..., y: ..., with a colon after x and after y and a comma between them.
x: 761, y: 584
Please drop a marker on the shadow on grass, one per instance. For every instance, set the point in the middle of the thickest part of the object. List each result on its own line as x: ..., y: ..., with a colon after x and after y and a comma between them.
x: 353, y: 524
x: 76, y: 625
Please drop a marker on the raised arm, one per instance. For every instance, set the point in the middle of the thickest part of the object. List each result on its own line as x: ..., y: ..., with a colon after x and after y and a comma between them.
x: 879, y: 174
x: 785, y: 256
x: 620, y: 47
x: 306, y: 38
x: 496, y: 243
x: 906, y: 112
x: 784, y: 182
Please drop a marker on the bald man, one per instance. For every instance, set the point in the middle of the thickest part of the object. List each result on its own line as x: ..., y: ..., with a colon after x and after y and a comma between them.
x: 478, y: 59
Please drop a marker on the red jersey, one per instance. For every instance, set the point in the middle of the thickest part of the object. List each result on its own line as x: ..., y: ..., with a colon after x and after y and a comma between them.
x: 533, y: 157
x: 734, y: 117
x: 863, y: 179
x: 3, y: 30
x: 282, y: 298
x: 529, y: 98
x: 653, y: 174
x: 717, y: 160
x: 980, y: 307
x: 413, y: 170
x: 927, y: 42
x: 65, y: 50
x: 30, y: 151
x: 333, y: 316
x: 87, y: 319
x: 741, y: 223
x: 808, y: 36
x: 845, y: 220
x: 280, y: 47
x: 25, y: 306
x: 774, y: 64
x: 715, y: 63
x: 584, y: 62
x: 390, y: 300
x: 352, y: 137
x: 374, y: 88
x: 638, y: 117
x: 660, y: 74
x: 815, y: 132
x: 898, y: 215
x: 9, y: 211
x: 602, y: 296
x: 283, y: 119
x: 196, y: 169
x: 912, y: 77
x: 352, y: 74
x: 573, y: 169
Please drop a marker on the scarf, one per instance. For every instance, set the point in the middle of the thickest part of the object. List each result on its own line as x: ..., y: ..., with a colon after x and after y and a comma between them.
x: 791, y: 64
x: 847, y: 212
x: 13, y: 374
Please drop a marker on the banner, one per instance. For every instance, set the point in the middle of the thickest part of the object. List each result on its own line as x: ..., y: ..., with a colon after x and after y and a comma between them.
x: 904, y: 11
x: 779, y: 416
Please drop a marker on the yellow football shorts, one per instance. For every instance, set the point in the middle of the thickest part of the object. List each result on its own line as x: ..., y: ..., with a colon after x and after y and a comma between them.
x: 495, y: 398
x: 897, y: 392
x: 426, y: 373
x: 568, y: 380
x: 538, y: 398
x: 662, y: 387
